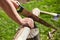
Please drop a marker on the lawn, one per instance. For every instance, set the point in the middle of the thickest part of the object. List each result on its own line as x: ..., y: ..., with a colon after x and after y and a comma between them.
x: 8, y: 27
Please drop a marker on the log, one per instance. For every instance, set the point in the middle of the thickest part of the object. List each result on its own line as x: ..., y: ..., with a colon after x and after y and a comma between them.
x: 22, y: 34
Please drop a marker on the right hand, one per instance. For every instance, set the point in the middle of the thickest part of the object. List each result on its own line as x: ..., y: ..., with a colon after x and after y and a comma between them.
x: 28, y: 21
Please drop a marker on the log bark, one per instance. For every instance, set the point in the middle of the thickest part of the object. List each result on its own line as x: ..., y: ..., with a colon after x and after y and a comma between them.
x: 37, y: 37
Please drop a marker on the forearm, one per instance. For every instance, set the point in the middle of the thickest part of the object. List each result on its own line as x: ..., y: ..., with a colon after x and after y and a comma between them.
x: 11, y: 11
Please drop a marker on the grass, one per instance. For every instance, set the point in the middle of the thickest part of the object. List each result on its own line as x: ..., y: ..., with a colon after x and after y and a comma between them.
x: 8, y: 27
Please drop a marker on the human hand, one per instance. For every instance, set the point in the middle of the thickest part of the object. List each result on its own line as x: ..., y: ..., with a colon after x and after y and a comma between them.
x: 28, y: 21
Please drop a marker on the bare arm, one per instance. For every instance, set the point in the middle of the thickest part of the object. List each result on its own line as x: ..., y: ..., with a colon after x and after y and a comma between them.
x: 10, y: 10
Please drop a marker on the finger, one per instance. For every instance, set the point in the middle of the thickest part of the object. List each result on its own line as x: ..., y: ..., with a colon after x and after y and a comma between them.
x: 31, y: 23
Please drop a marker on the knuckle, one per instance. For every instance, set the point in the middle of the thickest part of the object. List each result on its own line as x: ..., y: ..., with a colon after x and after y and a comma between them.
x: 31, y: 19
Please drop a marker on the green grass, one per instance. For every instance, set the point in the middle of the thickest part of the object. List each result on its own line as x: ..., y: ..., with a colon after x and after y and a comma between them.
x: 8, y: 27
